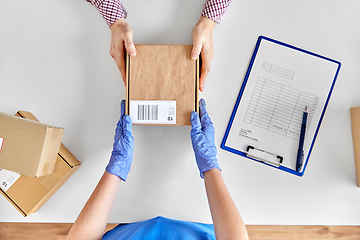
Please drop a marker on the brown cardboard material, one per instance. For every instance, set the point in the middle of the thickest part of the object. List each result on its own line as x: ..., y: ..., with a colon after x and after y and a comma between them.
x: 28, y: 194
x: 355, y: 126
x: 164, y: 72
x: 29, y: 148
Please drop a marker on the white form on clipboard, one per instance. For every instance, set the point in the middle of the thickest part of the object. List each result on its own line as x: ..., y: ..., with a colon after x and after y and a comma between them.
x: 280, y: 82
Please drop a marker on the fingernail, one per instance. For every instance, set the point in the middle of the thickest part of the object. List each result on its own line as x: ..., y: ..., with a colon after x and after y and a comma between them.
x: 193, y: 57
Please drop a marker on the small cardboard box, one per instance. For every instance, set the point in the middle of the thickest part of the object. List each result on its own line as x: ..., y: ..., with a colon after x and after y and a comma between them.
x: 355, y: 127
x: 28, y: 147
x: 28, y: 194
x: 162, y: 84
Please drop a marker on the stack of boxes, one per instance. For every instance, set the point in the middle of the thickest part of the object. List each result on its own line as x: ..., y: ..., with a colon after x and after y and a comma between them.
x: 33, y: 162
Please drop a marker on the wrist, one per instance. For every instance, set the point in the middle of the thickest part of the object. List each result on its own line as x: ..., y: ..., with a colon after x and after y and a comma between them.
x: 211, y: 165
x: 119, y: 167
x: 118, y: 23
x: 212, y: 172
x: 206, y: 23
x: 111, y: 176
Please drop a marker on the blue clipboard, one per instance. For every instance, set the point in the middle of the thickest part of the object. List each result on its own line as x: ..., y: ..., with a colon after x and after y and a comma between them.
x: 242, y: 152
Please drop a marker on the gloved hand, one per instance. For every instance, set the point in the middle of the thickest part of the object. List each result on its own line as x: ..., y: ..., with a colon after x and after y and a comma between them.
x: 202, y: 138
x: 123, y: 148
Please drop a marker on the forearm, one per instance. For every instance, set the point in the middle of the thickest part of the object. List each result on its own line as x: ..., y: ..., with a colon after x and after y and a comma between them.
x: 93, y: 219
x: 228, y: 223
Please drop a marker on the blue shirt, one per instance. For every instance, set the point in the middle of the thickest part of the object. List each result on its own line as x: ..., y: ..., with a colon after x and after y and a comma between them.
x: 161, y: 228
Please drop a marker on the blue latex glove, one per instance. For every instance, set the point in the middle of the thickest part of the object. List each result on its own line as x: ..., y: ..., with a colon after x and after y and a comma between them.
x: 123, y: 148
x: 202, y: 138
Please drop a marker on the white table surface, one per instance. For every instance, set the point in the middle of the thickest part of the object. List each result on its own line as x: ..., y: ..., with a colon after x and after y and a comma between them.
x: 55, y: 62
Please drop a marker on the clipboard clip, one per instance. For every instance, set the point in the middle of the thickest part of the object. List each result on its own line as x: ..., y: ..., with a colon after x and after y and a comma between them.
x: 264, y: 156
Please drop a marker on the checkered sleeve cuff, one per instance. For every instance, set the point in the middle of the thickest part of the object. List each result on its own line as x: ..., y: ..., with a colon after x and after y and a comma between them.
x: 111, y: 10
x: 215, y: 9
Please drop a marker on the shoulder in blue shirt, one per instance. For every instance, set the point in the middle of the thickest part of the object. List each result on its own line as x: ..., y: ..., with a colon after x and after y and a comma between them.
x: 161, y: 228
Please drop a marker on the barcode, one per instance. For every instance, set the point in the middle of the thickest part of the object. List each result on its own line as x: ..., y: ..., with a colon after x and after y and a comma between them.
x: 148, y: 112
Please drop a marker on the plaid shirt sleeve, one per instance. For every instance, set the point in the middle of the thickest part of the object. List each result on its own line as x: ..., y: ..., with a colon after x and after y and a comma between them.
x: 215, y: 9
x: 111, y: 10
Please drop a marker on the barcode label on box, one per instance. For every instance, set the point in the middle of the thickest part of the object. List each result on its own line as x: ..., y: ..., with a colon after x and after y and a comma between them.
x: 1, y: 143
x: 7, y: 179
x: 153, y: 112
x: 148, y: 112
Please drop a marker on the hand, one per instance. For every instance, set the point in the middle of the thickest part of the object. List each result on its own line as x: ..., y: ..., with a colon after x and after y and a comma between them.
x: 202, y: 138
x: 202, y: 42
x: 121, y: 40
x: 123, y: 148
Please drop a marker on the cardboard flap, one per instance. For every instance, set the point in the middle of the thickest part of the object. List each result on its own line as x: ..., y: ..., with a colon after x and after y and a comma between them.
x: 27, y: 115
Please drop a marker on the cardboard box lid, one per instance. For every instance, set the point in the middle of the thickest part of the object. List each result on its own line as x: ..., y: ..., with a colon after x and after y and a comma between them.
x: 28, y: 147
x: 164, y: 72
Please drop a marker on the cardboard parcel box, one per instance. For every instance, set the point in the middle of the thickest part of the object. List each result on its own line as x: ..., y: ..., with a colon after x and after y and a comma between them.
x: 355, y: 128
x: 28, y: 194
x: 162, y: 85
x: 28, y: 147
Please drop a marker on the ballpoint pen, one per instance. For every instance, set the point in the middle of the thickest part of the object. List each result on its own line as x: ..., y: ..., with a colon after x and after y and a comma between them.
x: 300, y: 153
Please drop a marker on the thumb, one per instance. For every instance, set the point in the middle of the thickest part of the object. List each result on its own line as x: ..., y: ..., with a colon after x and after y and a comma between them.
x: 129, y: 44
x: 126, y: 125
x: 119, y: 124
x: 195, y: 52
x: 122, y: 108
x: 195, y: 121
x: 202, y: 107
